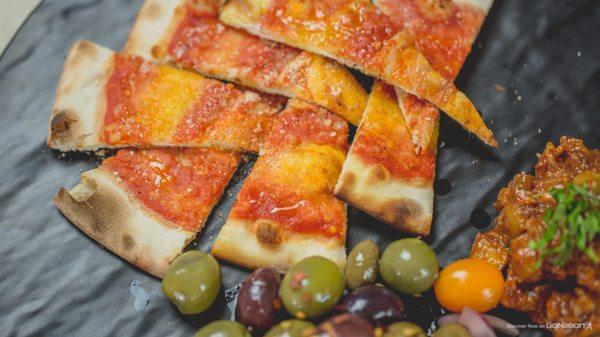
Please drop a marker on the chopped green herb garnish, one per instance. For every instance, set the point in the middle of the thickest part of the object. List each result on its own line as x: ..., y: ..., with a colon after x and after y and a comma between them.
x: 577, y: 218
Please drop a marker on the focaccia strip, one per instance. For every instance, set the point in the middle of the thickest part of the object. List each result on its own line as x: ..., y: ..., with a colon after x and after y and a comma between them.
x: 188, y: 34
x: 147, y: 205
x: 286, y: 209
x: 358, y: 35
x: 111, y: 100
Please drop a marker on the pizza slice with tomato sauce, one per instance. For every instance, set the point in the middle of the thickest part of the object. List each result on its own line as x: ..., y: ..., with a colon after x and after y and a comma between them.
x: 286, y: 209
x: 108, y: 99
x: 383, y: 174
x: 444, y: 31
x: 359, y: 35
x: 188, y: 33
x: 390, y: 168
x: 147, y: 205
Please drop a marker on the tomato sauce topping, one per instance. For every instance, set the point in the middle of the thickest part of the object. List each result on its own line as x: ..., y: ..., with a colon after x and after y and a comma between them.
x: 421, y: 119
x: 416, y: 107
x: 229, y: 115
x: 148, y: 104
x: 384, y: 139
x: 215, y: 99
x: 292, y: 182
x: 357, y: 31
x: 322, y: 215
x: 120, y: 122
x: 306, y: 123
x: 181, y: 185
x: 202, y: 43
x: 443, y: 30
x: 145, y: 101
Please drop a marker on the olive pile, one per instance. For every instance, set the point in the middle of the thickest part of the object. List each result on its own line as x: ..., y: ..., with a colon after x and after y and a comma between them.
x: 311, y: 288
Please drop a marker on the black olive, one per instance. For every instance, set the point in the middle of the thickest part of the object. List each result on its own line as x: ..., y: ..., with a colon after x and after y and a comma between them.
x: 376, y: 304
x: 258, y: 301
x: 345, y: 325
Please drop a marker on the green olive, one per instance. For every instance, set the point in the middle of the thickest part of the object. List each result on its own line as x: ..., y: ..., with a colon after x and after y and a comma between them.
x: 291, y: 328
x: 223, y: 329
x: 192, y: 282
x: 311, y: 287
x: 409, y: 266
x: 452, y: 330
x: 361, y: 267
x: 403, y: 329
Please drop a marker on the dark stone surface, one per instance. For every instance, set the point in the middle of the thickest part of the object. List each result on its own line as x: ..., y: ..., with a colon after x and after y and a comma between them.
x: 57, y: 282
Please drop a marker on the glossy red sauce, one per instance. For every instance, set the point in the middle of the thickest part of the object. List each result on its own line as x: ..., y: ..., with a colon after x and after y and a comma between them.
x: 389, y: 144
x: 211, y: 106
x: 421, y: 119
x: 356, y: 31
x: 202, y: 43
x: 399, y: 159
x: 195, y: 35
x: 147, y: 103
x: 120, y: 125
x: 308, y: 125
x: 180, y: 185
x: 322, y: 215
x: 444, y: 32
x: 363, y: 35
x: 419, y: 109
x: 283, y: 197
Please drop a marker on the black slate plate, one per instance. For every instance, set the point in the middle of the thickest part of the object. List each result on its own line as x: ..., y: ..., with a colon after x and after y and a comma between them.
x: 56, y: 282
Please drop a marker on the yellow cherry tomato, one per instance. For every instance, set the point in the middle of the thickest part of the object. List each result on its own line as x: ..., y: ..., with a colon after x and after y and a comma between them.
x: 469, y: 283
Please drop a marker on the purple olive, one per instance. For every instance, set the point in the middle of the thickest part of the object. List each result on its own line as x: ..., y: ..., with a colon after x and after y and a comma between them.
x: 258, y: 301
x: 346, y: 325
x: 376, y: 304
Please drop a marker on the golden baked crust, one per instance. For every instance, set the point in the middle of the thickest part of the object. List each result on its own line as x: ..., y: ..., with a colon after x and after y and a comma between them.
x: 241, y: 242
x: 76, y: 116
x: 156, y: 21
x: 102, y: 208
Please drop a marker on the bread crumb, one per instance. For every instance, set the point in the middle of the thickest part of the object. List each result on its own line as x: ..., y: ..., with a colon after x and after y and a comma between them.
x: 499, y: 88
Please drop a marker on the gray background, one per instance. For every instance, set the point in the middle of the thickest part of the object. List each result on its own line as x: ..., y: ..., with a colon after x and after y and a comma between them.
x: 55, y: 281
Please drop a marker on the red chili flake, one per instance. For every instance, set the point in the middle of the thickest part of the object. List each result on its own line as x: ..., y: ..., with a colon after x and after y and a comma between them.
x: 297, y: 280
